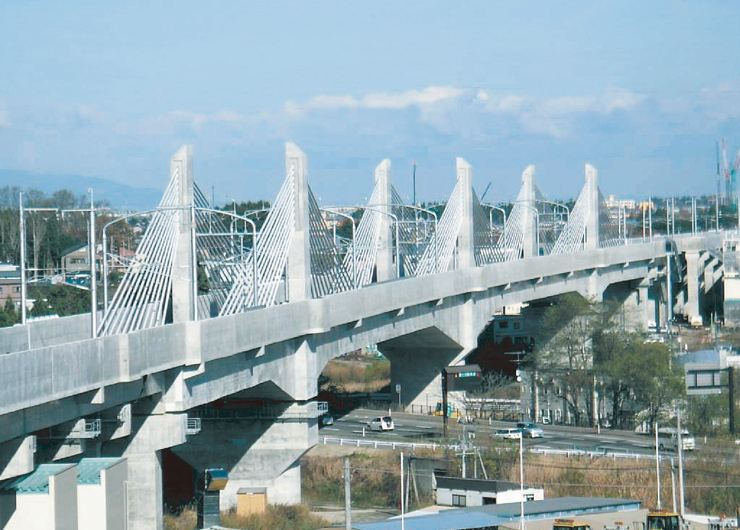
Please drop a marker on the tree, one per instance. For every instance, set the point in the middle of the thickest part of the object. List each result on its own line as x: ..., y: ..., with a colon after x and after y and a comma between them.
x: 563, y: 351
x: 10, y: 315
x: 636, y: 371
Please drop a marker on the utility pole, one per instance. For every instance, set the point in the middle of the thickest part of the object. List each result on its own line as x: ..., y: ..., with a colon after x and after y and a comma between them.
x: 347, y: 496
x: 521, y: 481
x: 414, y: 181
x: 403, y: 525
x: 716, y: 202
x: 680, y: 465
x: 23, y: 259
x: 657, y: 462
x: 673, y: 484
x: 731, y: 387
x: 444, y: 402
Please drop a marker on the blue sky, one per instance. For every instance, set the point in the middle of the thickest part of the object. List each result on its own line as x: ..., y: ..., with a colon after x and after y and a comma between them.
x: 642, y: 90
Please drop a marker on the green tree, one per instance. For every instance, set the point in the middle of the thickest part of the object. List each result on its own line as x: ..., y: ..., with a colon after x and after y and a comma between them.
x: 634, y: 371
x: 563, y: 352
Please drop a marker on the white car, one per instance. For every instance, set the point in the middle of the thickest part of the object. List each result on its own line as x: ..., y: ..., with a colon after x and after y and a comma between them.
x: 381, y: 423
x: 508, y: 434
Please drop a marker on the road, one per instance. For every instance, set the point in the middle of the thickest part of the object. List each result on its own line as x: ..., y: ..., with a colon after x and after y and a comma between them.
x: 429, y: 428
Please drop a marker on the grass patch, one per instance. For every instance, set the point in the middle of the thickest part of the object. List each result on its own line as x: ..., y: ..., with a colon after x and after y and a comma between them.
x: 276, y: 517
x: 368, y: 374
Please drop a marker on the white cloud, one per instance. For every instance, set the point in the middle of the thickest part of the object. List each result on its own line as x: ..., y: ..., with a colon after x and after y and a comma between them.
x: 378, y: 100
x: 166, y: 123
x: 557, y: 116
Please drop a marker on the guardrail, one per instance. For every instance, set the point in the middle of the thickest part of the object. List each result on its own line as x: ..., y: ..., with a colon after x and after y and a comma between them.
x: 384, y: 444
x: 591, y: 454
x: 377, y: 444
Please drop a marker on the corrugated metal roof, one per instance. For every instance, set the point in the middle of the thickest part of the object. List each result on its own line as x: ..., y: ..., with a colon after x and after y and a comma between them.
x: 463, y: 368
x: 560, y: 506
x: 88, y: 469
x: 35, y: 482
x: 496, y: 514
x: 471, y: 484
x: 441, y: 521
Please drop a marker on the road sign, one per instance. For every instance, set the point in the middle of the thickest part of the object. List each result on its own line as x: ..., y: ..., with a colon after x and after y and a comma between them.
x: 398, y: 389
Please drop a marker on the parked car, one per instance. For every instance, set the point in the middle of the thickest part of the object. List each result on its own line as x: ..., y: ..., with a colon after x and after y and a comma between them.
x: 326, y: 419
x: 381, y: 423
x: 530, y: 430
x: 508, y: 434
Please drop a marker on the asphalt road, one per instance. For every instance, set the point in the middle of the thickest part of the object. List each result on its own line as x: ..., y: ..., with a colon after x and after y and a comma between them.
x: 420, y: 428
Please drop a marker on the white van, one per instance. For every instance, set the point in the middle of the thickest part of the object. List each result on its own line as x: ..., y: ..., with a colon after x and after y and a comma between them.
x: 381, y: 423
x: 668, y: 439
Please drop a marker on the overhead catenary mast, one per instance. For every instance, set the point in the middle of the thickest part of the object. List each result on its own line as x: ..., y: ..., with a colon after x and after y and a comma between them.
x: 716, y: 205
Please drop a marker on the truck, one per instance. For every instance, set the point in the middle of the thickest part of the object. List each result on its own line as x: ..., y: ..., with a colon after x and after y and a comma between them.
x: 668, y: 439
x: 655, y: 520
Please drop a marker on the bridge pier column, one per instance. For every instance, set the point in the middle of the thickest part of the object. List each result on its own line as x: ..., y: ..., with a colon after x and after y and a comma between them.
x: 152, y: 431
x: 419, y: 372
x: 384, y: 260
x: 17, y: 456
x: 262, y: 453
x: 691, y: 309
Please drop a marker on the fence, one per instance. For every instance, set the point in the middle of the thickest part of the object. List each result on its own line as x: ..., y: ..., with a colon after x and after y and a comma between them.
x: 382, y: 444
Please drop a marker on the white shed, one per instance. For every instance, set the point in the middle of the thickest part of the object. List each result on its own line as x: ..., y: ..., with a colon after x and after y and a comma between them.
x: 101, y: 501
x: 45, y: 499
x: 453, y: 491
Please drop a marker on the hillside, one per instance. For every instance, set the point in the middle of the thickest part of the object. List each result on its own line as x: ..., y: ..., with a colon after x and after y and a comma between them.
x: 119, y: 195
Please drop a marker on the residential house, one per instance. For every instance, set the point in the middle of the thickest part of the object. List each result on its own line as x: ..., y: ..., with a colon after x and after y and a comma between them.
x: 10, y: 284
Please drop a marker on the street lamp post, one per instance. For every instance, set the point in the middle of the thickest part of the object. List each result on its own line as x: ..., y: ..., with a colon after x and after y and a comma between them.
x: 398, y: 241
x: 354, y: 253
x: 91, y: 253
x: 436, y: 223
x: 22, y: 227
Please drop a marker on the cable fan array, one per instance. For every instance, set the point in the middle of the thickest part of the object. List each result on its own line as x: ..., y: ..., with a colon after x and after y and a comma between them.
x: 142, y: 298
x: 273, y: 244
x: 572, y: 238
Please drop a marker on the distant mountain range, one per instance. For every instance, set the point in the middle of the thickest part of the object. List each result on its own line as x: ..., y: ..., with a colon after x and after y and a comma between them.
x: 119, y: 195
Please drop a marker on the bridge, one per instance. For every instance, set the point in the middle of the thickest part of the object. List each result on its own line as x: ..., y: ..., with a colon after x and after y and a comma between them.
x: 280, y: 301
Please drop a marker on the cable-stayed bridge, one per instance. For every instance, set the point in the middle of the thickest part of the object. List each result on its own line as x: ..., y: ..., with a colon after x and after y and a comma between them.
x: 213, y: 306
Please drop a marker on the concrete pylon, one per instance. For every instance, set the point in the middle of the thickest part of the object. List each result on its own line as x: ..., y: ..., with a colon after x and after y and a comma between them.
x: 184, y: 269
x: 299, y: 255
x: 384, y: 261
x: 465, y: 237
x: 592, y: 222
x: 530, y: 221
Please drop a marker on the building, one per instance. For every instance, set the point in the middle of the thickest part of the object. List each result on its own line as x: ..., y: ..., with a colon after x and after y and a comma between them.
x: 76, y: 259
x: 10, y: 284
x: 462, y: 492
x: 538, y: 515
x: 87, y: 495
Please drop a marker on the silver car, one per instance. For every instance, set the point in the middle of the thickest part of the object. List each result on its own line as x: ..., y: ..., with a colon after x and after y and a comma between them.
x: 530, y: 430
